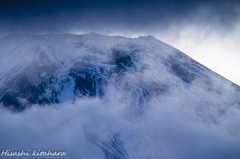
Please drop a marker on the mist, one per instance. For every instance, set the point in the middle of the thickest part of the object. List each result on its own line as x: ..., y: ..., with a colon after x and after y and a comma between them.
x: 169, y: 130
x: 186, y: 121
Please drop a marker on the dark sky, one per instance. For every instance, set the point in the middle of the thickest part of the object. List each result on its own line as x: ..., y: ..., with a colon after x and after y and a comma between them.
x: 66, y: 16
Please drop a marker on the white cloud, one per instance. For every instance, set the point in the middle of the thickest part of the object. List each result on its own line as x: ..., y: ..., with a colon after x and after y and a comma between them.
x: 177, y: 125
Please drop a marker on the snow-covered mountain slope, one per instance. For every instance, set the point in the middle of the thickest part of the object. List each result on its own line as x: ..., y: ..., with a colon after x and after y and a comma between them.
x: 138, y: 75
x: 44, y: 69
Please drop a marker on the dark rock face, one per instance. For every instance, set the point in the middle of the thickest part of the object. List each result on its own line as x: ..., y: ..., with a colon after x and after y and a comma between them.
x: 182, y: 72
x: 182, y: 69
x: 113, y: 148
x: 87, y: 81
x: 37, y: 83
x: 9, y: 99
x: 29, y: 87
x: 24, y: 93
x: 122, y: 59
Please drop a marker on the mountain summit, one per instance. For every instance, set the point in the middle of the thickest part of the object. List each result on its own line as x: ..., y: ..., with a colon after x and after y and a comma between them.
x: 140, y: 76
x: 47, y: 69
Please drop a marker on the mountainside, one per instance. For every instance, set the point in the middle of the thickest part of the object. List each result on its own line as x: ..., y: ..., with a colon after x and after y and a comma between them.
x: 143, y: 77
x: 45, y: 69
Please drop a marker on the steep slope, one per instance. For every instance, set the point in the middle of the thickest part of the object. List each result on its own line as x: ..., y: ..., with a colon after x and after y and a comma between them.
x: 44, y: 69
x: 51, y: 69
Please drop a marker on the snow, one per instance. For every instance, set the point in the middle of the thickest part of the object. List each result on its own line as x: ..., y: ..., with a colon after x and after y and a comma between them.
x: 147, y: 110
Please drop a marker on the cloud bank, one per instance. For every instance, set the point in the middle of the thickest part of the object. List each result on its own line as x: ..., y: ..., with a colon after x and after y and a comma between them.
x: 183, y: 123
x: 165, y: 132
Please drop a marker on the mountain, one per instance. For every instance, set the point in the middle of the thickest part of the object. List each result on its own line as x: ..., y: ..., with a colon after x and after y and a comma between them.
x: 138, y: 75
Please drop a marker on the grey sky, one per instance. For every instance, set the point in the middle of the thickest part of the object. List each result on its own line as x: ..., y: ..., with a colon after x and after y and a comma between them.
x: 99, y: 16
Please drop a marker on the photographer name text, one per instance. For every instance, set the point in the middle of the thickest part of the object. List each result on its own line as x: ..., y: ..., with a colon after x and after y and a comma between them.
x: 32, y: 153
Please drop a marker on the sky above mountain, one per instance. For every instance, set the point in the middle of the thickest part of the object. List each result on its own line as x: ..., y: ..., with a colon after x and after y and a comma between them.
x: 208, y: 31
